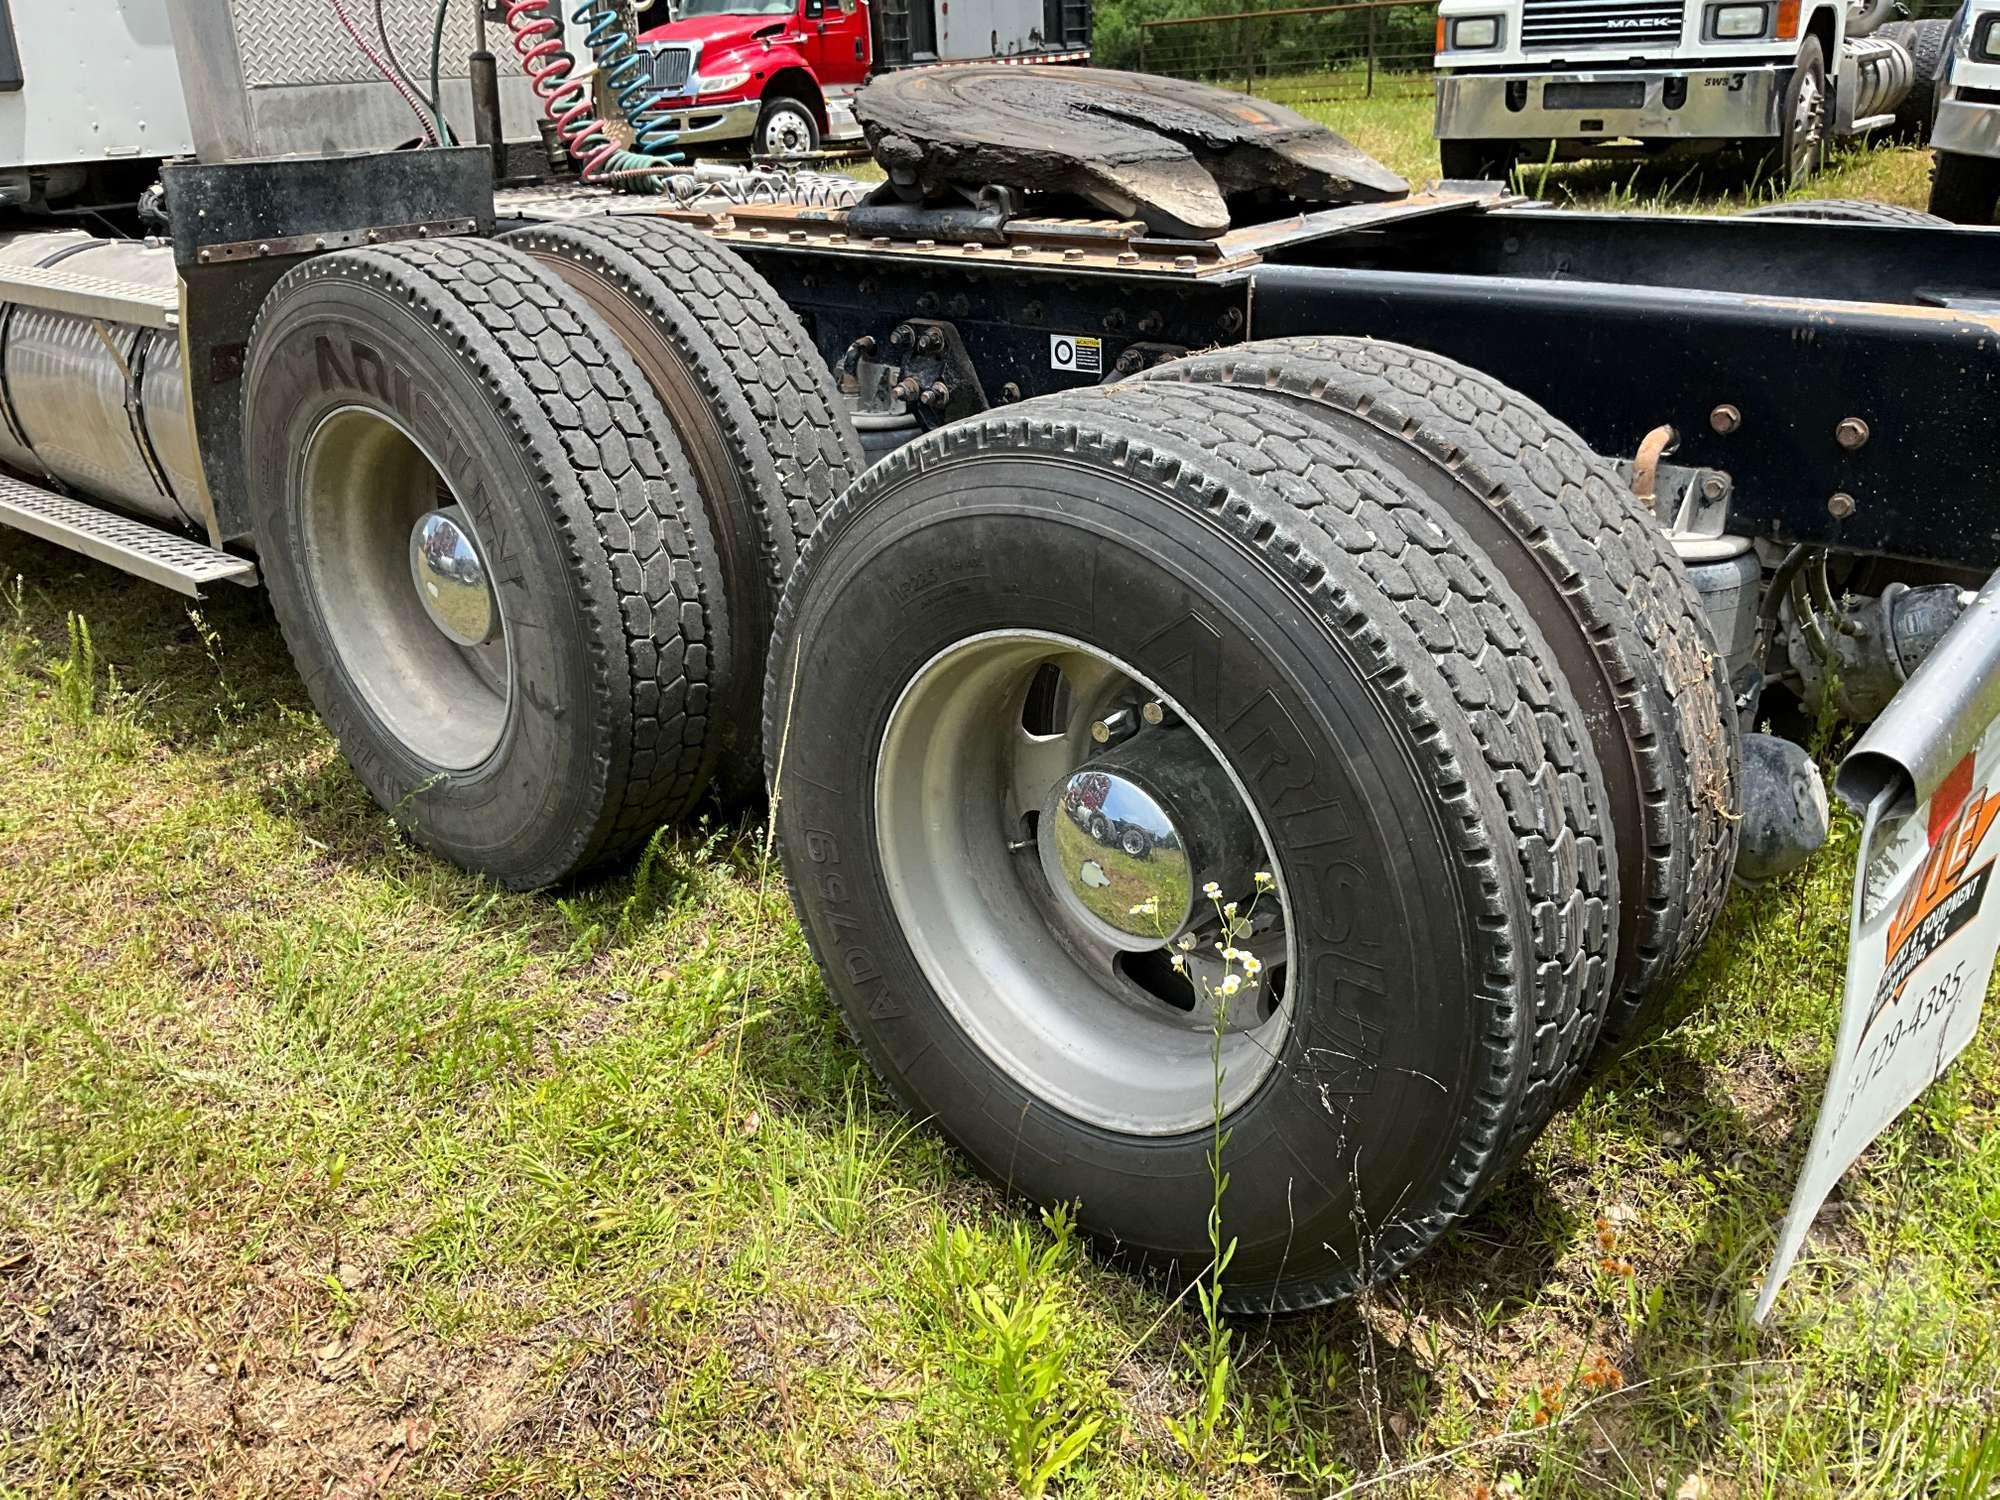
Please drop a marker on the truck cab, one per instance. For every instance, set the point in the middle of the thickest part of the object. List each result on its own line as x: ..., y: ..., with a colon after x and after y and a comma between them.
x: 779, y: 75
x: 1965, y: 182
x: 1523, y: 79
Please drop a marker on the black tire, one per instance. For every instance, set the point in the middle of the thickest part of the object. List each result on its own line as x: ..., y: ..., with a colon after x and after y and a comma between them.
x: 1965, y: 189
x: 1326, y: 620
x: 1134, y: 842
x: 1925, y: 42
x: 752, y: 402
x: 1626, y: 630
x: 1846, y: 211
x: 786, y: 126
x: 1477, y: 161
x: 1100, y: 828
x: 1800, y: 150
x: 550, y: 441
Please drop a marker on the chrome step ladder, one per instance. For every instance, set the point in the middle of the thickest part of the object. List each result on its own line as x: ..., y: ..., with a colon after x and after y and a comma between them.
x: 164, y: 557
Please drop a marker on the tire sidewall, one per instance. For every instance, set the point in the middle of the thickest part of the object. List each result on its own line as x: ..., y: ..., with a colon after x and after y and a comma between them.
x: 1349, y: 1141
x: 531, y: 804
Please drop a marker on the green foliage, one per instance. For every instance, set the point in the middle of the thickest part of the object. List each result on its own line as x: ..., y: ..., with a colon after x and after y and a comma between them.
x: 1022, y: 1349
x: 76, y: 674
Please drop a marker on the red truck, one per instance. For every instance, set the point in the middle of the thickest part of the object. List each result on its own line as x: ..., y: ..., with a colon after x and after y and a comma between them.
x: 780, y: 75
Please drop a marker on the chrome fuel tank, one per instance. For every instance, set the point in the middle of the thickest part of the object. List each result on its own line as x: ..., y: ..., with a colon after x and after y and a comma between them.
x: 96, y: 404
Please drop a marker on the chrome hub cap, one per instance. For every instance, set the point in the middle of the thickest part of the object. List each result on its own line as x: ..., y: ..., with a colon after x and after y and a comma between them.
x: 451, y: 578
x: 1137, y: 900
x: 1103, y: 920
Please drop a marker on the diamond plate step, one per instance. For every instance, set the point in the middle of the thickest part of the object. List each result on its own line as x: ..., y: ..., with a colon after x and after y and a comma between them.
x: 89, y: 296
x: 146, y: 551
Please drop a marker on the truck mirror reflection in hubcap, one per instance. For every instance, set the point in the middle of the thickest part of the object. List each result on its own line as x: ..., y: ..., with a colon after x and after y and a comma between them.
x: 1114, y: 853
x: 451, y: 577
x: 1130, y: 838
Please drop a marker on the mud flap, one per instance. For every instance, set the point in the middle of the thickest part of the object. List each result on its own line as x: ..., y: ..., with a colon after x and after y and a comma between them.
x: 1924, y: 920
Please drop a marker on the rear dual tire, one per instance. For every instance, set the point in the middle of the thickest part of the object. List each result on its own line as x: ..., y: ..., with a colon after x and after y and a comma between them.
x: 620, y: 436
x: 1425, y: 780
x: 388, y: 383
x: 1380, y: 588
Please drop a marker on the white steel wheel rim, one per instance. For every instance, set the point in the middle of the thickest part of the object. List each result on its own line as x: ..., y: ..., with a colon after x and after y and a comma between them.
x: 1036, y: 993
x: 786, y: 132
x: 366, y: 483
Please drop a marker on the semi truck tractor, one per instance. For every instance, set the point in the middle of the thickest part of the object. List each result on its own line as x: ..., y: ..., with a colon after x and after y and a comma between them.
x: 1410, y: 568
x: 1965, y: 133
x: 1569, y: 80
x: 779, y: 75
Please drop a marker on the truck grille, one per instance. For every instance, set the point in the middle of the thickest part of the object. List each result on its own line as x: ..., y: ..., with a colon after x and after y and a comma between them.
x: 1559, y: 25
x: 670, y: 68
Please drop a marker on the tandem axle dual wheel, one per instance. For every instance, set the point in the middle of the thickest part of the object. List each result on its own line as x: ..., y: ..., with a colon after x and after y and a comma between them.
x: 1312, y: 738
x: 1432, y: 750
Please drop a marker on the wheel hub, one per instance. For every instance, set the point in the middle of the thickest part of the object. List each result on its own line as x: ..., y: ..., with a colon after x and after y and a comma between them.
x: 1131, y: 838
x: 451, y: 578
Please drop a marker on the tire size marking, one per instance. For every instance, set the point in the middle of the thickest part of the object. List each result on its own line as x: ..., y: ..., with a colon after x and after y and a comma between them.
x: 1074, y: 351
x: 832, y: 887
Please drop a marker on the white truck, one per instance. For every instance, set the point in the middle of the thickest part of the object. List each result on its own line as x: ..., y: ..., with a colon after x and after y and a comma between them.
x: 1965, y: 185
x: 1524, y: 80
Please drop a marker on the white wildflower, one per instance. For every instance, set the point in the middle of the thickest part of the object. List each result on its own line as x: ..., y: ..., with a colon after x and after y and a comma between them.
x: 1212, y: 891
x: 1264, y: 880
x: 1252, y: 966
x: 1230, y: 984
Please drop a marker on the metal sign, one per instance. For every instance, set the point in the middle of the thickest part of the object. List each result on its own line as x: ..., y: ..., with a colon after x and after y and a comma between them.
x: 1925, y: 920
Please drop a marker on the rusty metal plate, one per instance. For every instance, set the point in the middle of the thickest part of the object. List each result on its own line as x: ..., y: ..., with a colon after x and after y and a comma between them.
x: 1161, y: 150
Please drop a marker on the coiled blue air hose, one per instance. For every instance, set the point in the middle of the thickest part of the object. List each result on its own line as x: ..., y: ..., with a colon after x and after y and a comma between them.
x: 625, y: 72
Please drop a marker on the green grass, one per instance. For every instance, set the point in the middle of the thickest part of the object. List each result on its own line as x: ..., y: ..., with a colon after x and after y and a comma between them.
x: 327, y: 1169
x: 1396, y: 129
x: 324, y: 1165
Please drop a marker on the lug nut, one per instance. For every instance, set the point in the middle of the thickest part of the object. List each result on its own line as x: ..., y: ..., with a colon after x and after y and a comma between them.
x: 1840, y: 505
x: 907, y: 389
x: 903, y: 336
x: 931, y: 343
x: 1725, y: 419
x: 938, y: 395
x: 1115, y: 725
x: 1851, y: 433
x: 1714, y: 486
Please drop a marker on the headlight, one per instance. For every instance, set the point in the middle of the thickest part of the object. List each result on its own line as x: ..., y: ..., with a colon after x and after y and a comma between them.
x: 1471, y: 33
x: 1738, y: 23
x: 721, y: 83
x: 1986, y: 40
